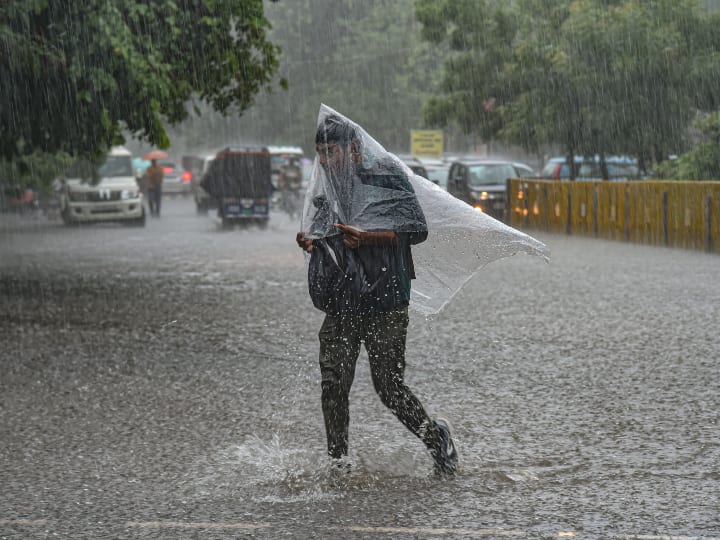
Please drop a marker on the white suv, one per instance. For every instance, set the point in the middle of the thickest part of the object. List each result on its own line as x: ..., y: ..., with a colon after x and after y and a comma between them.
x: 116, y: 197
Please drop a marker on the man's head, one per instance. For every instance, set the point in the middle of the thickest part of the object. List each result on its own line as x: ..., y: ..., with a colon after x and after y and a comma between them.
x: 337, y: 144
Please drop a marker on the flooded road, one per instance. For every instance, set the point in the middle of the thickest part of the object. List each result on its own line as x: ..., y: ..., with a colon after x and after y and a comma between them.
x: 163, y: 383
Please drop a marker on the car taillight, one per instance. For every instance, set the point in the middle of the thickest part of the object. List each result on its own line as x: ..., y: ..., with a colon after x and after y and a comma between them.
x: 168, y: 170
x: 186, y: 176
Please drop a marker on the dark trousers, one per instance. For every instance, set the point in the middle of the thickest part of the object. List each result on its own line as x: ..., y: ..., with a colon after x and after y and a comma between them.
x: 384, y: 336
x: 154, y: 200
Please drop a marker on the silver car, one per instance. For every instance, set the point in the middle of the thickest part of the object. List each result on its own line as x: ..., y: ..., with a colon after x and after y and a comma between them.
x: 176, y: 180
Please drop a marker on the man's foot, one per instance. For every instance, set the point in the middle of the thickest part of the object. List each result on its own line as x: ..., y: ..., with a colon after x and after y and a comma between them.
x: 445, y: 454
x: 340, y: 466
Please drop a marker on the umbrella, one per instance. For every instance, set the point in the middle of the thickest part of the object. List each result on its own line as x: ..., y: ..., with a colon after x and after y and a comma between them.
x: 154, y: 154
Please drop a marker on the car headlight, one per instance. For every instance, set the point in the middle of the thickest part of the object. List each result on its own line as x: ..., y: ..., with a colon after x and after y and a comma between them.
x: 129, y: 194
x: 485, y: 196
x: 77, y: 196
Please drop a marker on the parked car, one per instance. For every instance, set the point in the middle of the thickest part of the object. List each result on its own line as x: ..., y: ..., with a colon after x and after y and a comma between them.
x: 619, y: 168
x: 415, y: 165
x: 115, y: 196
x: 438, y: 174
x: 436, y: 169
x: 203, y: 201
x: 482, y: 183
x: 177, y: 181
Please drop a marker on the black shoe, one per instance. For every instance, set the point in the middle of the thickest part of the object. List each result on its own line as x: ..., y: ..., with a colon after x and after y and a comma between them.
x: 445, y: 455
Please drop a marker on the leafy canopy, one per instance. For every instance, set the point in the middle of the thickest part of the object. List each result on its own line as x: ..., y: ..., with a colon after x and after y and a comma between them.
x: 75, y: 74
x: 593, y: 76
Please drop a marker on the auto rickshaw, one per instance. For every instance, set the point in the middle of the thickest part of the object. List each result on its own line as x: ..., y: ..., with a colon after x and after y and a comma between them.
x: 239, y: 179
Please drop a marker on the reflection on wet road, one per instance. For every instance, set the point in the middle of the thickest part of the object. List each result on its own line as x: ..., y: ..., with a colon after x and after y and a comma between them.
x: 163, y: 382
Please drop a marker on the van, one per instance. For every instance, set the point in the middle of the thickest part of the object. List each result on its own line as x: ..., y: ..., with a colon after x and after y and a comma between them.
x: 239, y: 180
x: 115, y: 196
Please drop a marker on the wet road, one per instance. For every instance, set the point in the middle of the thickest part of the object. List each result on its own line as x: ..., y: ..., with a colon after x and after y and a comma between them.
x: 163, y: 383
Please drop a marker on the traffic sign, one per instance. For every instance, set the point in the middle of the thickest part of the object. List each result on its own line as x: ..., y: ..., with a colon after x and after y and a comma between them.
x: 426, y: 142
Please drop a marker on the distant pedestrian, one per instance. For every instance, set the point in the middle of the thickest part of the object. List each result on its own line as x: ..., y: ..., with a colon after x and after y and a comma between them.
x: 366, y: 218
x: 155, y: 175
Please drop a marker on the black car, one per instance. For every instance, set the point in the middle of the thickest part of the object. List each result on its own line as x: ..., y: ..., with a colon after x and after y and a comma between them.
x: 482, y: 183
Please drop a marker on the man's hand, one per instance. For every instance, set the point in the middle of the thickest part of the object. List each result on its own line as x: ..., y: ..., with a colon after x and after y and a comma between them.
x: 354, y: 237
x: 306, y: 244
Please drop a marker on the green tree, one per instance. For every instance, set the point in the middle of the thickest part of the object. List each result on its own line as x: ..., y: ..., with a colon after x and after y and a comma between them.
x: 364, y: 57
x: 75, y: 75
x: 593, y: 76
x: 703, y: 161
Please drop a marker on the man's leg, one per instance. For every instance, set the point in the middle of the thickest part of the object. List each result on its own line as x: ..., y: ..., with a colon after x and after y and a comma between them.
x: 158, y: 201
x: 385, y: 336
x: 151, y: 200
x: 339, y: 349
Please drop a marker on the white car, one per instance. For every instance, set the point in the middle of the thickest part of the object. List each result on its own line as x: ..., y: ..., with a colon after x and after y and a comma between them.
x: 115, y: 197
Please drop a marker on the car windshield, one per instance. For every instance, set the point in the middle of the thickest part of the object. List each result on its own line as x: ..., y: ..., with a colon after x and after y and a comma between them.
x: 623, y: 169
x: 490, y: 174
x: 114, y: 166
x: 439, y: 176
x: 279, y: 160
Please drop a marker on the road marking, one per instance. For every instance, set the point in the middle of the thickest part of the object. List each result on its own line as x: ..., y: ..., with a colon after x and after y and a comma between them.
x: 426, y: 530
x: 31, y: 522
x: 197, y: 525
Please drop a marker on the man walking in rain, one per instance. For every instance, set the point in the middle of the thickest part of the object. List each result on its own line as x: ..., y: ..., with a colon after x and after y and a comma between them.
x: 361, y: 219
x: 155, y: 175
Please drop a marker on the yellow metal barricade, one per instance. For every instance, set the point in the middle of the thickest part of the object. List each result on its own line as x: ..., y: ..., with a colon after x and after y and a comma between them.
x: 672, y: 213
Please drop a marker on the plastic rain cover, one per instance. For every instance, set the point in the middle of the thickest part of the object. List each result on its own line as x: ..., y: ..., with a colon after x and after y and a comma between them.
x: 371, y: 189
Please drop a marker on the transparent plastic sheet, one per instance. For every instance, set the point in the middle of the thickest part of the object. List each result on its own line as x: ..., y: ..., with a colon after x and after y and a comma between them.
x: 371, y: 189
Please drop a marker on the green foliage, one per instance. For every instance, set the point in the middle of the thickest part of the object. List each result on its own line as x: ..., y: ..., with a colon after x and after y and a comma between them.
x: 364, y: 58
x: 703, y: 161
x: 77, y: 74
x: 594, y: 76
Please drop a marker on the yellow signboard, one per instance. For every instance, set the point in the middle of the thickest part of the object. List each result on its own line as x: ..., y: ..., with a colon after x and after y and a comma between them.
x: 426, y: 142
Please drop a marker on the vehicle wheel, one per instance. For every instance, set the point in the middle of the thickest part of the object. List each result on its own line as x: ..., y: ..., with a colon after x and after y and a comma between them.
x: 263, y: 224
x: 138, y: 222
x: 227, y: 223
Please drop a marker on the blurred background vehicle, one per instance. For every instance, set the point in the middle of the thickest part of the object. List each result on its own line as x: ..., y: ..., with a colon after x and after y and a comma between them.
x: 482, y: 183
x: 620, y: 168
x: 291, y: 187
x: 177, y: 181
x: 439, y: 174
x: 415, y: 165
x: 239, y: 179
x: 203, y: 201
x: 279, y: 156
x: 437, y: 170
x: 18, y: 199
x: 115, y: 196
